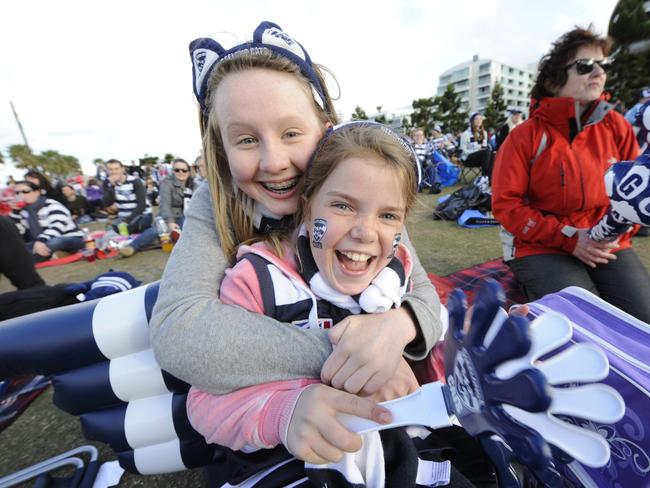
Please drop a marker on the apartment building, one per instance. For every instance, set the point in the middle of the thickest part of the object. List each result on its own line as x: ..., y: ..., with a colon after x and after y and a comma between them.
x: 475, y: 79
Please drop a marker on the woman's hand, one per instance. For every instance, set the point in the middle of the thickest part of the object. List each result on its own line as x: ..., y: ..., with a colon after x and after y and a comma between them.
x: 173, y: 226
x: 591, y: 252
x: 316, y: 436
x: 367, y: 350
x: 402, y: 383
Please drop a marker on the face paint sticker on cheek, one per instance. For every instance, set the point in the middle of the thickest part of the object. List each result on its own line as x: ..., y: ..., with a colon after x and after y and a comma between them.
x: 318, y: 232
x: 396, y: 241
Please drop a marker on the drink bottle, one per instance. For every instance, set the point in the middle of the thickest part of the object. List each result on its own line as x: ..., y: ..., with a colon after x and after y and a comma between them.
x: 163, y: 234
x: 89, y: 246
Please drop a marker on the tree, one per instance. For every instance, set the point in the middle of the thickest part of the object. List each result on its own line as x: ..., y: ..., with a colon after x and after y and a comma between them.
x: 406, y: 124
x: 359, y: 114
x: 48, y: 162
x: 422, y: 115
x: 148, y: 160
x: 381, y: 118
x: 629, y: 27
x: 53, y: 163
x: 168, y: 158
x: 495, y: 110
x: 449, y: 112
x: 22, y: 156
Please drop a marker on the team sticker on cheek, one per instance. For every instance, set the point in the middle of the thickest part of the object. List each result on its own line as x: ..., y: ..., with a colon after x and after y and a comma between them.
x: 318, y: 232
x: 396, y: 241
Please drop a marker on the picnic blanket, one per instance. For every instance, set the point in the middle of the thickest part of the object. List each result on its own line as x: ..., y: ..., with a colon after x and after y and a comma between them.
x: 469, y: 279
x: 17, y: 393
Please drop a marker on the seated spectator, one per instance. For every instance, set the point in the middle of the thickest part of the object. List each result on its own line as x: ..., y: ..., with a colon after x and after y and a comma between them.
x: 152, y: 191
x: 423, y: 151
x: 513, y: 120
x: 45, y: 224
x: 443, y: 143
x: 127, y: 196
x: 44, y: 185
x: 644, y: 96
x: 549, y: 188
x: 77, y: 204
x: 474, y: 146
x: 94, y: 194
x: 200, y: 173
x: 175, y: 193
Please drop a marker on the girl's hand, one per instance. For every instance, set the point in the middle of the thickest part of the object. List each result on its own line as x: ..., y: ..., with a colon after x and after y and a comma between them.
x: 367, y: 350
x: 401, y: 384
x: 593, y: 252
x: 173, y: 226
x: 316, y: 436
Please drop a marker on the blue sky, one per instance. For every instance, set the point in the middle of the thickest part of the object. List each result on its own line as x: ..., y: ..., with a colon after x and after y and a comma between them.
x: 112, y: 79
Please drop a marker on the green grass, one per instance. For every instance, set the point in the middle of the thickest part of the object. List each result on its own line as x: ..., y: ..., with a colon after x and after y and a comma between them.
x: 43, y: 430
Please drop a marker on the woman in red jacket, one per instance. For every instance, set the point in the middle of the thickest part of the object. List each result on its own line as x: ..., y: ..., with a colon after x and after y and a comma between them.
x: 548, y: 185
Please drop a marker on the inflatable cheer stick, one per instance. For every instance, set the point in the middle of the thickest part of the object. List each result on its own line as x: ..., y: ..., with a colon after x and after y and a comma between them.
x: 496, y: 385
x: 628, y: 186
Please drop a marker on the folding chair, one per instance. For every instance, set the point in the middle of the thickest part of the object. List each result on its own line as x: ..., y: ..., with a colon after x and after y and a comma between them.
x: 468, y: 173
x: 83, y: 476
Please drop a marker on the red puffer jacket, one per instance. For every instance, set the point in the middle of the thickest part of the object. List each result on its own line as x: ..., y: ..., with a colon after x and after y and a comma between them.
x: 548, y: 177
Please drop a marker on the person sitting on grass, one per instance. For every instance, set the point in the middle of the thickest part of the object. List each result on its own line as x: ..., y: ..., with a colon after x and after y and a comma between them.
x: 77, y: 204
x: 45, y: 224
x: 175, y: 193
x: 126, y: 195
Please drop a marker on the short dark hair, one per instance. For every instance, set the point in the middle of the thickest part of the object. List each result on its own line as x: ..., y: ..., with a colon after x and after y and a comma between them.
x: 552, y: 71
x: 114, y: 161
x: 29, y: 184
x: 181, y: 160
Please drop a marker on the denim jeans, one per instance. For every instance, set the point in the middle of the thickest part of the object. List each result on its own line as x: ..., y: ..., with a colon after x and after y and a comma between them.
x: 67, y: 244
x: 149, y: 235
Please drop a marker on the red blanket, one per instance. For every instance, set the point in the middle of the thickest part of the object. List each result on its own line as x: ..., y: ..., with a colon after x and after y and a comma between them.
x: 470, y: 278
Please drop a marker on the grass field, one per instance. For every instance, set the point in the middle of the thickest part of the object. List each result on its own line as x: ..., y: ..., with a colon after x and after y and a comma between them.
x: 44, y: 431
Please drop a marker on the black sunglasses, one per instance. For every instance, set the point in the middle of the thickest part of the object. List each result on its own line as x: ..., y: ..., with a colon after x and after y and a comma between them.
x: 181, y: 170
x: 23, y: 192
x: 585, y: 66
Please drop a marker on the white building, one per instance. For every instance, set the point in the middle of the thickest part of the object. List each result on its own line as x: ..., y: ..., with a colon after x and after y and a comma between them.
x: 475, y: 79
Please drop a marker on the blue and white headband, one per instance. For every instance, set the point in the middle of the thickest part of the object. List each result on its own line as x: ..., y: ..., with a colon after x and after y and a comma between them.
x: 406, y: 145
x: 206, y: 53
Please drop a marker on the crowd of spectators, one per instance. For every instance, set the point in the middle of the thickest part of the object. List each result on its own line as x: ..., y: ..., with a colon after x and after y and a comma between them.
x: 48, y: 212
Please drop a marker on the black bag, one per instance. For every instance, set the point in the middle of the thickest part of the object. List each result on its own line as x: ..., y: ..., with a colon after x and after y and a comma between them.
x: 467, y: 197
x: 23, y: 302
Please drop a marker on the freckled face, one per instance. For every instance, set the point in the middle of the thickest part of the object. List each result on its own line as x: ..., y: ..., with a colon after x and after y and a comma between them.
x: 362, y: 220
x: 270, y: 128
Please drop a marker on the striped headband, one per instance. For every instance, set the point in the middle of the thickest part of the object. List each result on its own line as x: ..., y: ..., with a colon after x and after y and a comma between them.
x: 406, y: 145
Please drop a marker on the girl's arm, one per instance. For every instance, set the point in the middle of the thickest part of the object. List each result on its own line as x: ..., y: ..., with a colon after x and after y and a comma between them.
x: 220, y: 348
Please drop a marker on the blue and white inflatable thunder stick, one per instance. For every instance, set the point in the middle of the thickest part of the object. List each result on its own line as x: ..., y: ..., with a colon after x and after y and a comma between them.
x: 628, y: 187
x: 498, y: 387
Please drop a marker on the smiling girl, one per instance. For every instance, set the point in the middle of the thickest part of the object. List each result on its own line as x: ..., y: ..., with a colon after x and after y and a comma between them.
x: 344, y: 258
